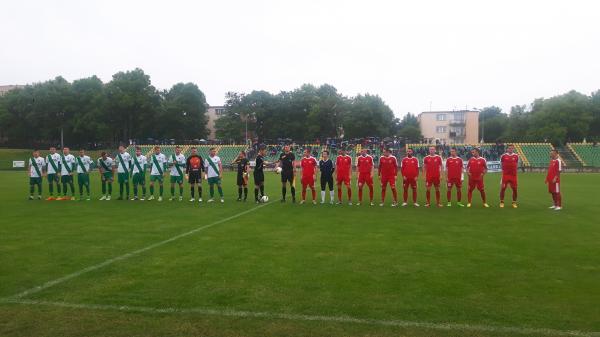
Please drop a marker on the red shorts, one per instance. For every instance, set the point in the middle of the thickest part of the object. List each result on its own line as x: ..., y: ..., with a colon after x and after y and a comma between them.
x: 435, y: 181
x: 554, y: 187
x: 409, y: 181
x: 509, y: 180
x: 343, y: 179
x: 476, y: 183
x: 454, y: 182
x: 388, y: 180
x: 308, y: 181
x: 365, y: 178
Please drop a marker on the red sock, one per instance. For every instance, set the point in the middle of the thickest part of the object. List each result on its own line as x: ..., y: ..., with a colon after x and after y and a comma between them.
x: 414, y: 195
x: 437, y: 196
x: 514, y: 194
x: 340, y: 193
x: 360, y: 194
x: 482, y: 195
x: 559, y: 199
x: 405, y: 194
x: 383, y: 194
x: 303, y: 194
x: 459, y: 194
x: 314, y: 193
x: 371, y: 193
x: 470, y: 195
x: 349, y: 194
x: 395, y: 194
x: 502, y: 190
x: 449, y: 195
x: 428, y: 195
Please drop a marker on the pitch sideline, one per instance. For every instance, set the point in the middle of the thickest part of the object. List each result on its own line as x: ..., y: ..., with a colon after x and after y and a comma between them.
x: 125, y: 256
x: 306, y: 318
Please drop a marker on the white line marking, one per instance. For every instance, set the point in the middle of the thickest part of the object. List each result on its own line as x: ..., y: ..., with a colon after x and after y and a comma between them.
x: 126, y: 256
x: 318, y: 318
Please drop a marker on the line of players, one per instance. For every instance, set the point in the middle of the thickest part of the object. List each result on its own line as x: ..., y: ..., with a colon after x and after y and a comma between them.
x: 126, y: 166
x: 433, y: 169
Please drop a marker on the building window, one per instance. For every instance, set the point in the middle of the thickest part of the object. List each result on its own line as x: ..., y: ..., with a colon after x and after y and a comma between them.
x: 459, y: 116
x: 219, y: 112
x: 440, y: 129
x: 440, y: 117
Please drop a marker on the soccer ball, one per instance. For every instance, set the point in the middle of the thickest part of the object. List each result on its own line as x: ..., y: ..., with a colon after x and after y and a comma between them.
x: 264, y: 198
x: 278, y: 170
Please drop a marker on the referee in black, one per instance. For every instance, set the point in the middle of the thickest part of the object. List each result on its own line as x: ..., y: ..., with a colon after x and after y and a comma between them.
x: 288, y: 172
x: 259, y: 174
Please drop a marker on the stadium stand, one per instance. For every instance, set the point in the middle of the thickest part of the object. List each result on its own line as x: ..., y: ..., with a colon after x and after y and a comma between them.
x: 534, y: 154
x: 588, y: 154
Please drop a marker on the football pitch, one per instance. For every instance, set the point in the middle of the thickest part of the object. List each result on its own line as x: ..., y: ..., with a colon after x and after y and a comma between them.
x: 123, y: 268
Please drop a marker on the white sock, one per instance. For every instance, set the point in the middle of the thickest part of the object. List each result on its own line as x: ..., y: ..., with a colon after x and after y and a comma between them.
x: 331, y: 195
x: 323, y: 196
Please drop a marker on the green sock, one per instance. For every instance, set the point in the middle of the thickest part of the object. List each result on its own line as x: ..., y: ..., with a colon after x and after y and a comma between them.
x: 220, y: 190
x: 181, y: 190
x: 151, y: 189
x: 127, y: 189
x: 161, y: 190
x: 109, y: 188
x: 103, y: 187
x: 172, y: 191
x: 51, y: 188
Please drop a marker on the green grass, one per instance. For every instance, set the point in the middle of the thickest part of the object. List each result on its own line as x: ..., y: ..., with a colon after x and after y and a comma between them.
x: 477, y: 269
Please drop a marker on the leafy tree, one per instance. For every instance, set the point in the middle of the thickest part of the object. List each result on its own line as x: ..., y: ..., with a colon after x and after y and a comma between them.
x: 493, y: 123
x: 368, y: 115
x: 183, y: 113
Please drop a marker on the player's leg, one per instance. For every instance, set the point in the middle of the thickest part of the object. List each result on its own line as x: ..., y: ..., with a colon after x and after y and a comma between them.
x: 323, y: 182
x: 331, y: 190
x: 87, y: 186
x: 293, y: 187
x: 245, y: 189
x: 339, y: 182
x: 428, y: 192
x: 304, y: 184
x: 360, y: 190
x: 72, y: 185
x: 481, y: 188
x: 503, y: 186
x: 31, y: 188
x: 152, y: 178
x: 180, y: 188
x: 514, y: 188
x: 348, y: 189
x: 459, y: 193
x: 405, y: 185
x: 39, y: 187
x: 161, y: 187
x: 103, y: 183
x: 283, y: 187
x: 313, y: 192
x: 394, y: 192
x: 383, y: 190
x: 50, y: 177
x: 449, y: 193
x: 470, y: 192
x: 220, y: 188
x: 437, y: 192
x: 370, y: 185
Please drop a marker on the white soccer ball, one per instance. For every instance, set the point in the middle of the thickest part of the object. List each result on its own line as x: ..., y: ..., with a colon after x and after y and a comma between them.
x: 264, y: 198
x: 278, y: 170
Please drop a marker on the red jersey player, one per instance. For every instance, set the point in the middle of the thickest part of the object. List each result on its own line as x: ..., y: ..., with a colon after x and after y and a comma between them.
x: 476, y: 169
x: 409, y: 168
x: 364, y: 165
x: 309, y: 170
x: 454, y: 177
x: 343, y: 168
x: 553, y: 180
x: 432, y: 167
x: 510, y: 164
x: 388, y: 170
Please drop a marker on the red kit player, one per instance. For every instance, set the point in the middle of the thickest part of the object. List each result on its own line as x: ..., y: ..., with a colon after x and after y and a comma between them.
x: 476, y: 168
x: 364, y: 165
x: 409, y: 168
x: 309, y: 170
x: 510, y: 164
x: 388, y: 170
x: 343, y: 169
x: 432, y: 167
x: 454, y: 177
x: 553, y: 180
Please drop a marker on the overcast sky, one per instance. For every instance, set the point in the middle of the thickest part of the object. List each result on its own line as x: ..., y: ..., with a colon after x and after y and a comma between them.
x: 450, y: 54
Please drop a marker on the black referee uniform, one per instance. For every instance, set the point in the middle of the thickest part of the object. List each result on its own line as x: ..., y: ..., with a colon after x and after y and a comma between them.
x: 326, y: 168
x: 259, y: 178
x: 287, y: 174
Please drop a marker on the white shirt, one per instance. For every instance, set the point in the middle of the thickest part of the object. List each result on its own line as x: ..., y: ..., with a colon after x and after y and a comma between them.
x: 210, y: 172
x: 86, y: 161
x: 108, y: 162
x: 180, y: 159
x: 162, y: 160
x: 142, y: 161
x: 39, y: 162
x: 127, y: 159
x: 70, y: 161
x: 56, y: 160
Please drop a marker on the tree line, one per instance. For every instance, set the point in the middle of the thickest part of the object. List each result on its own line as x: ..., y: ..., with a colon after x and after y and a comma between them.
x: 90, y: 111
x: 571, y: 117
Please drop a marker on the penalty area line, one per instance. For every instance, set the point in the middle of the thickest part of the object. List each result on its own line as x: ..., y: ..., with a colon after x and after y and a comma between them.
x: 126, y: 256
x: 308, y: 318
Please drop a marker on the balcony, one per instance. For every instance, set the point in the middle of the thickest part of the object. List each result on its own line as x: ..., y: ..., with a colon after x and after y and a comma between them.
x: 458, y: 122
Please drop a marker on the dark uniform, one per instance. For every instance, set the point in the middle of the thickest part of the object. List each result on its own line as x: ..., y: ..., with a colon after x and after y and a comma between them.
x: 259, y: 174
x: 241, y: 169
x: 326, y: 168
x: 287, y: 167
x: 193, y: 168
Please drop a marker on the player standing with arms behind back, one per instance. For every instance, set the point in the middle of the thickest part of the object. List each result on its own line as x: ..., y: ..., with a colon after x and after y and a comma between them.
x: 510, y: 164
x: 140, y: 162
x: 105, y: 168
x: 364, y: 165
x: 53, y: 172
x: 388, y: 171
x: 193, y: 169
x: 214, y: 169
x: 288, y: 172
x: 343, y: 168
x: 454, y: 177
x: 432, y: 166
x: 123, y: 171
x: 177, y: 162
x: 309, y: 171
x: 409, y: 167
x: 36, y: 170
x: 553, y: 180
x: 158, y: 165
x: 476, y: 169
x: 326, y: 168
x: 84, y: 163
x: 67, y: 166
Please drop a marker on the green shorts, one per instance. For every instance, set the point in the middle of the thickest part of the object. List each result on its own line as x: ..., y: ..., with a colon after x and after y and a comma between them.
x: 214, y: 180
x: 107, y: 176
x: 52, y: 177
x: 123, y: 178
x: 83, y: 179
x: 66, y: 179
x: 176, y: 179
x: 139, y: 179
x: 156, y: 178
x: 35, y: 181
